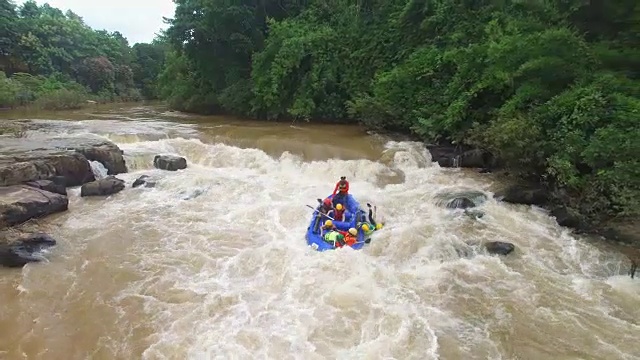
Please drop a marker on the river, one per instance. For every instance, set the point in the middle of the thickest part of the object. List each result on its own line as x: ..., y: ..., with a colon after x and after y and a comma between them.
x: 158, y: 273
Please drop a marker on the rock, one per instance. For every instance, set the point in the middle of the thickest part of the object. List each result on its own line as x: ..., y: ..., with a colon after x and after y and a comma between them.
x: 474, y: 214
x: 48, y: 185
x: 194, y: 194
x: 74, y: 167
x: 518, y: 194
x: 106, y: 153
x: 461, y: 199
x: 25, y: 160
x: 460, y: 203
x: 568, y: 217
x: 499, y: 247
x: 461, y: 156
x: 169, y: 162
x: 20, y: 203
x: 25, y: 250
x: 59, y: 180
x: 144, y: 180
x: 107, y: 186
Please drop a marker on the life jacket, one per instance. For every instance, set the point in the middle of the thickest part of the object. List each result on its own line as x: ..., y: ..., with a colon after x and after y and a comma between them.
x: 348, y: 238
x: 339, y: 214
x: 342, y: 186
x: 332, y: 238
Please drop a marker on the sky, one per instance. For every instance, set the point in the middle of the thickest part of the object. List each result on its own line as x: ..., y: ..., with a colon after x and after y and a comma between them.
x: 137, y: 20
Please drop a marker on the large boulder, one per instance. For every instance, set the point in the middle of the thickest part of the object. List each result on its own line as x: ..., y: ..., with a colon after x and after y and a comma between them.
x: 24, y: 160
x: 107, y: 186
x: 169, y: 162
x: 460, y: 156
x: 527, y: 195
x: 25, y: 250
x: 20, y: 203
x: 40, y: 165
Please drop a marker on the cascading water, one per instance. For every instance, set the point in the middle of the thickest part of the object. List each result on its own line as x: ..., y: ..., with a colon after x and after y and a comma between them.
x: 154, y: 273
x: 98, y: 169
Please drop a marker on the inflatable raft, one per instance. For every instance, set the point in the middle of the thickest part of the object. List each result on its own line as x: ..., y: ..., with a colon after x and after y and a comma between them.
x: 353, y: 212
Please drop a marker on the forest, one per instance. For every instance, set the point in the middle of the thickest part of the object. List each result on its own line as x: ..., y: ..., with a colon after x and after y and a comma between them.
x: 53, y: 60
x: 550, y: 88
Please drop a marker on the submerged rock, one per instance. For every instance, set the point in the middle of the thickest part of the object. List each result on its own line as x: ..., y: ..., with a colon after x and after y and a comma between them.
x: 499, y: 247
x: 20, y: 203
x: 25, y: 250
x: 169, y: 162
x: 107, y: 186
x: 144, y: 180
x: 474, y: 213
x: 461, y: 199
x: 460, y: 203
x: 25, y: 160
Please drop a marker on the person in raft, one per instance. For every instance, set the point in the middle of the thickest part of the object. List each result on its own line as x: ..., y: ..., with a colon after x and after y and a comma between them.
x: 337, y: 213
x: 328, y: 226
x: 321, y: 211
x: 339, y: 238
x: 350, y: 237
x: 341, y: 196
x: 334, y: 238
x: 368, y: 227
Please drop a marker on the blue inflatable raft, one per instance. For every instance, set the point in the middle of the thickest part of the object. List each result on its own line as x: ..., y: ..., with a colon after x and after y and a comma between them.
x: 352, y: 213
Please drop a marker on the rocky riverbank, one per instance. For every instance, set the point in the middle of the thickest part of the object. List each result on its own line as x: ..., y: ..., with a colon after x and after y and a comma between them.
x: 34, y: 175
x: 626, y: 231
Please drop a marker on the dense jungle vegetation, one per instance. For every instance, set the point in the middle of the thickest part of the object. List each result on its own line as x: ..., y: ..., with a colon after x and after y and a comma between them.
x: 53, y: 60
x: 551, y: 87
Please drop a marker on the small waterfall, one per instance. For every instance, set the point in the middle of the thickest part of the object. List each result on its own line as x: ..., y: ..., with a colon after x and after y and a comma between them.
x: 456, y: 161
x: 99, y: 171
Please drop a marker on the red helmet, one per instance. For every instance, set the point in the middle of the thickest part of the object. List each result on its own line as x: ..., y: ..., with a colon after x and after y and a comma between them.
x: 327, y: 202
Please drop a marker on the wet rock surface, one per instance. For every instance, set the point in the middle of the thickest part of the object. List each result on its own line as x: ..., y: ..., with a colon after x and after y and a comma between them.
x: 48, y: 185
x: 23, y: 160
x: 20, y: 203
x: 144, y: 181
x: 169, y: 162
x: 107, y: 186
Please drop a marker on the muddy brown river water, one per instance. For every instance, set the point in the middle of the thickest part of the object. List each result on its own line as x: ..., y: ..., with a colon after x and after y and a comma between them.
x: 160, y: 273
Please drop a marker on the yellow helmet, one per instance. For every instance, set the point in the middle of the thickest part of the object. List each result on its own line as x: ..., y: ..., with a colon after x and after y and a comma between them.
x: 339, y: 207
x: 353, y: 231
x: 378, y: 226
x: 328, y: 223
x: 365, y: 227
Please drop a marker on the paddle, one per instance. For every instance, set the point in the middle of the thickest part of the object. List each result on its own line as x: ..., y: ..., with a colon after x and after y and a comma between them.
x: 316, y: 210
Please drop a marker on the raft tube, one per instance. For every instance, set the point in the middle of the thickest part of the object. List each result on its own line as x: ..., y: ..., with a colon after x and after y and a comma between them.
x: 353, y: 211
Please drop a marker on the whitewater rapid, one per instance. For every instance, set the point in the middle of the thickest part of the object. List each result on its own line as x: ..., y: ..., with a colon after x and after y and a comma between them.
x: 212, y: 263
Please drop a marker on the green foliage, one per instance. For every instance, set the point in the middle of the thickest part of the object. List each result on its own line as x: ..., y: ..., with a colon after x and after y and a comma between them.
x: 74, y: 61
x: 551, y: 88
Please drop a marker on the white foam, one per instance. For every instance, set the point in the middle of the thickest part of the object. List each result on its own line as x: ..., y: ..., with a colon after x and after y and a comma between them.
x: 227, y: 274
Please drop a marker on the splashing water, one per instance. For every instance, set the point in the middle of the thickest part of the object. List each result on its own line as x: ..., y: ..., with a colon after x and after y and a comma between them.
x: 98, y: 169
x: 228, y: 274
